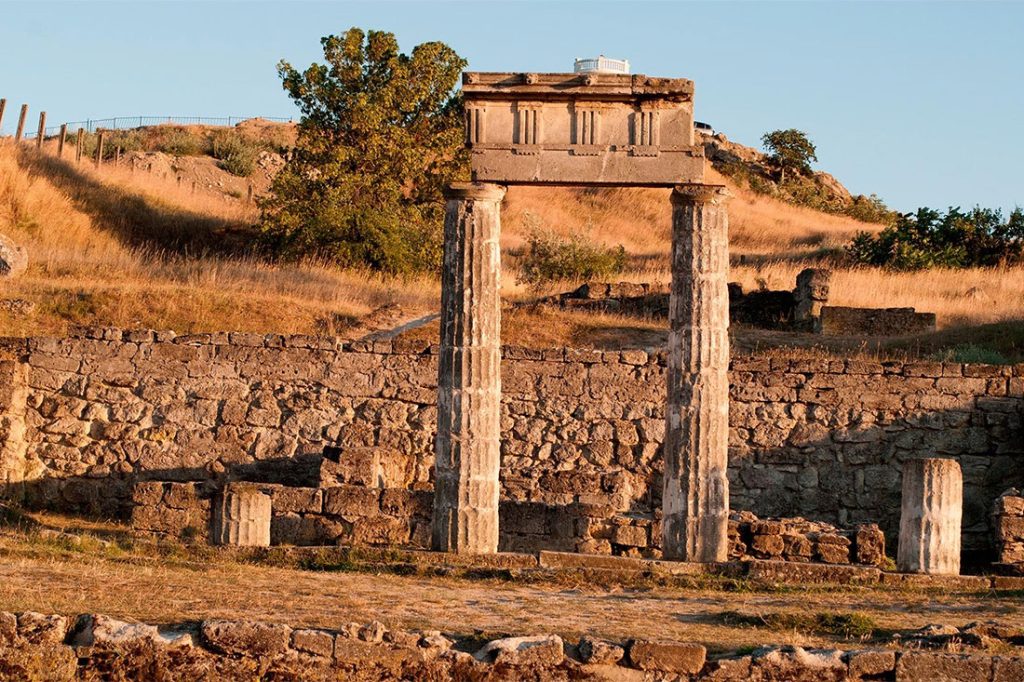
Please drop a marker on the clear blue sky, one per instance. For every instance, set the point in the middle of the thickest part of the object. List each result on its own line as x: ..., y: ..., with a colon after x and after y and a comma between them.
x: 922, y: 103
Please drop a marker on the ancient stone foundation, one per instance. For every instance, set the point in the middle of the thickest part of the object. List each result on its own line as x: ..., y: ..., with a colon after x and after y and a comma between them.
x: 932, y: 506
x: 91, y: 415
x: 57, y: 648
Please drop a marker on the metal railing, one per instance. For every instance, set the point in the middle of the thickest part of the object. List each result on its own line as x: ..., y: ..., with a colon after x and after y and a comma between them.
x: 129, y: 122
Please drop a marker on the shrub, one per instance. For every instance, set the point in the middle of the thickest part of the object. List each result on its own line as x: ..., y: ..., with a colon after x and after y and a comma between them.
x: 969, y: 352
x: 550, y: 258
x: 182, y: 142
x: 956, y: 239
x: 237, y: 154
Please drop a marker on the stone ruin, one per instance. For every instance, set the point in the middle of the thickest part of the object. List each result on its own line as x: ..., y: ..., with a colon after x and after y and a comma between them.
x: 803, y: 309
x: 466, y: 447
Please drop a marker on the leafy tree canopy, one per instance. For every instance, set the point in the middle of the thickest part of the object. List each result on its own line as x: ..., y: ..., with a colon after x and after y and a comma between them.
x: 790, y: 150
x: 955, y: 239
x: 380, y: 136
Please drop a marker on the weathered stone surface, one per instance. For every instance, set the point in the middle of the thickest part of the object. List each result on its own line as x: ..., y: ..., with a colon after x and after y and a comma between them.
x: 673, y: 657
x: 242, y: 516
x: 844, y: 321
x: 599, y: 651
x: 914, y: 667
x: 523, y: 651
x: 315, y: 642
x: 822, y: 440
x: 695, y: 498
x: 590, y: 129
x: 932, y: 506
x: 104, y: 630
x: 13, y: 258
x: 468, y: 444
x: 39, y: 628
x: 247, y: 638
x: 870, y: 664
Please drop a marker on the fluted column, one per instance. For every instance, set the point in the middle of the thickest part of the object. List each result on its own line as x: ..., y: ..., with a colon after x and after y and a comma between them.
x: 695, y: 500
x: 468, y: 446
x: 932, y: 507
x: 241, y: 517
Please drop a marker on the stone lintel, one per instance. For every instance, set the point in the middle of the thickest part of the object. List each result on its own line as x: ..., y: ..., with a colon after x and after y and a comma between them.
x: 563, y: 86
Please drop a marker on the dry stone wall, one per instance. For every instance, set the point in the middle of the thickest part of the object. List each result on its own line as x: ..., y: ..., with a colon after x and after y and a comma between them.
x: 86, y: 417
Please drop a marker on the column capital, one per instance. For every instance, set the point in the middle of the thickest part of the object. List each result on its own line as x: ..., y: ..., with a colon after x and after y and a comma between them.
x: 475, y: 191
x: 693, y: 193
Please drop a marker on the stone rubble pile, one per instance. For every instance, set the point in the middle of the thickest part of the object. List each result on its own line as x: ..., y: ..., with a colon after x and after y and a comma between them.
x: 58, y: 648
x: 804, y: 541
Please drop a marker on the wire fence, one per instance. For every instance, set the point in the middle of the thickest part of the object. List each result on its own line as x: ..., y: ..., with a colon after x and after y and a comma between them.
x: 128, y: 122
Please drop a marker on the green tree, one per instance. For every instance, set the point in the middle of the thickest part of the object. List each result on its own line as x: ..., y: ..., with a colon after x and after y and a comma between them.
x: 789, y: 150
x: 380, y: 136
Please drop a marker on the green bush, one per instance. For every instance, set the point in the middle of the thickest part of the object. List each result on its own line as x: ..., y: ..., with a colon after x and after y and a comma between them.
x: 183, y: 142
x: 237, y: 154
x: 551, y: 258
x: 955, y: 239
x: 969, y: 352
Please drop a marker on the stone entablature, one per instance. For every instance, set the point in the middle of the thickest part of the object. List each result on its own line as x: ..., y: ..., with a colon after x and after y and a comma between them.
x: 589, y: 129
x: 818, y: 438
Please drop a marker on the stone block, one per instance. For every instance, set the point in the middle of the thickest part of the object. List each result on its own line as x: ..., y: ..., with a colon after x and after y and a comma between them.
x: 246, y: 638
x: 241, y: 516
x: 532, y: 651
x: 315, y: 642
x: 870, y: 664
x: 599, y: 651
x: 352, y: 501
x: 673, y: 657
x: 630, y: 536
x: 917, y: 666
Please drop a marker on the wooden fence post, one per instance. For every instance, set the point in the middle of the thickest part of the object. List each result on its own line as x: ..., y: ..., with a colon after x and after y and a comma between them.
x: 99, y: 147
x: 41, y: 133
x: 79, y: 144
x: 117, y: 156
x: 249, y: 196
x: 3, y: 105
x: 21, y: 123
x: 61, y: 140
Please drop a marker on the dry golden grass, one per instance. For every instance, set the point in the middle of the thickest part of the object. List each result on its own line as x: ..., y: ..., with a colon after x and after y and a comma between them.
x: 108, y: 247
x: 640, y: 220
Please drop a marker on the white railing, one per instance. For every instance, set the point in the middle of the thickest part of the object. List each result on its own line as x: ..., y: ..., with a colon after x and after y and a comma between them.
x: 602, y: 65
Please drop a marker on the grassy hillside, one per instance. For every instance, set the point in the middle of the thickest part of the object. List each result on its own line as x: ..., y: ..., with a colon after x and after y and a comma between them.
x: 167, y: 248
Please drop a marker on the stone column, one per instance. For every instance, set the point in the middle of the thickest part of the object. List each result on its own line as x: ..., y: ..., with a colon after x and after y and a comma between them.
x: 932, y: 507
x: 696, y: 490
x: 241, y: 517
x: 468, y: 446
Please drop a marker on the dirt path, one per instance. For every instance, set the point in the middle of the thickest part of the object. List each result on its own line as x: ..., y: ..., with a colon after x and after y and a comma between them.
x: 78, y: 583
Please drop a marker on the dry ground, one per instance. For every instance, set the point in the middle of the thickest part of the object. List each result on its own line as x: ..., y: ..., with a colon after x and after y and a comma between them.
x: 45, y: 575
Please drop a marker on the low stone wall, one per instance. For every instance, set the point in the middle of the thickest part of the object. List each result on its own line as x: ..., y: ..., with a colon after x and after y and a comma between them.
x: 84, y: 418
x: 91, y: 647
x: 841, y: 321
x: 360, y: 515
x: 1008, y: 531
